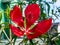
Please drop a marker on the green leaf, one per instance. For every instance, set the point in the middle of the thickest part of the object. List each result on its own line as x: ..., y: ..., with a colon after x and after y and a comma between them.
x: 43, y: 16
x: 52, y: 11
x: 31, y: 42
x: 59, y: 10
x: 0, y: 16
x: 7, y: 12
x: 48, y: 7
x: 41, y: 8
x: 54, y: 0
x: 14, y: 40
x: 40, y: 0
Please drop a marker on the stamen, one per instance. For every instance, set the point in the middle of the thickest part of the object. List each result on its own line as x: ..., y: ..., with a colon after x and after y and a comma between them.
x: 31, y: 33
x: 24, y: 22
x: 32, y: 26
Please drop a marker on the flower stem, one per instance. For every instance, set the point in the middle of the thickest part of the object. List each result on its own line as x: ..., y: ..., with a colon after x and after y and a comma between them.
x: 31, y: 42
x: 10, y: 38
x: 0, y: 35
x: 6, y: 35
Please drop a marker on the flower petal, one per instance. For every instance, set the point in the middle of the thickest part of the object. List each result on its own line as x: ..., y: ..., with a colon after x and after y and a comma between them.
x: 34, y: 34
x: 32, y: 12
x: 16, y: 31
x: 41, y: 28
x: 44, y: 25
x: 16, y: 16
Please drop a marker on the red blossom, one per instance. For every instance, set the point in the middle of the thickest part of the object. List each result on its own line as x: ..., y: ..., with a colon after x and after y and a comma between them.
x: 32, y: 12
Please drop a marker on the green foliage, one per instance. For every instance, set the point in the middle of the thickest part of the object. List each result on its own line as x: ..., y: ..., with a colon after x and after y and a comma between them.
x: 43, y: 16
x: 58, y: 41
x: 59, y: 10
x: 0, y: 16
x: 54, y: 0
x: 48, y: 7
x: 7, y: 12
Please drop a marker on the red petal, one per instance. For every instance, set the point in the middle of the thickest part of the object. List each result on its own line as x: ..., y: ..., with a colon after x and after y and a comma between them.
x: 32, y: 12
x: 16, y: 31
x: 16, y: 16
x: 34, y: 35
x: 44, y: 25
x: 41, y: 28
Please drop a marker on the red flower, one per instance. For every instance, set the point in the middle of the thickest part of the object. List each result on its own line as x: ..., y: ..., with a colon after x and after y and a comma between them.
x: 32, y: 12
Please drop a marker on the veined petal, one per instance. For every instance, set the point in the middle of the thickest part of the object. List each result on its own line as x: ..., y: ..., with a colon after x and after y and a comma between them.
x: 41, y: 28
x: 32, y: 12
x: 16, y: 31
x: 16, y: 15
